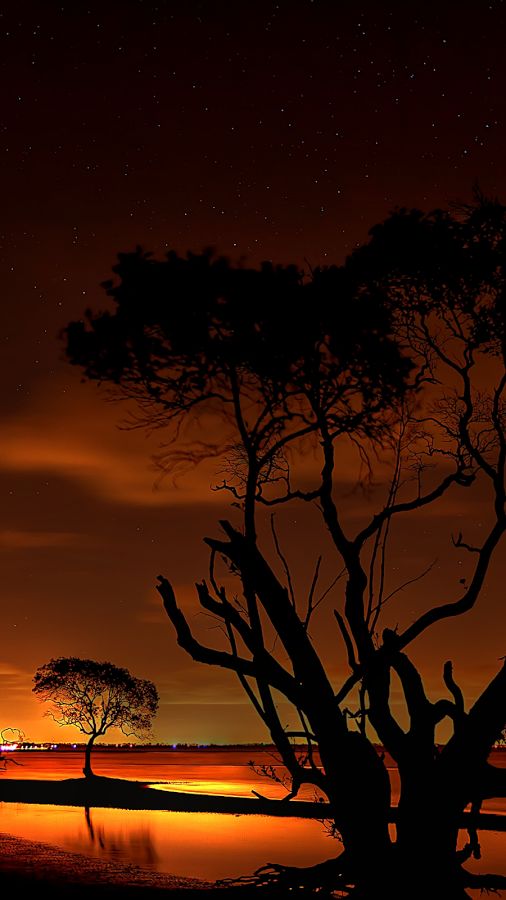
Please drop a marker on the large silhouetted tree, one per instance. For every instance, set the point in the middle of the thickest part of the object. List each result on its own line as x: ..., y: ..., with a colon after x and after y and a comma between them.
x: 94, y: 697
x: 400, y: 354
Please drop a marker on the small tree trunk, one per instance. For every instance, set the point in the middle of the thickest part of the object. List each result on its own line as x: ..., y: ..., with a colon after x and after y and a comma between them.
x: 87, y: 771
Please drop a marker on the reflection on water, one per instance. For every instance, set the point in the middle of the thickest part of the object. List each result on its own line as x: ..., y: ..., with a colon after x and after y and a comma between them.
x: 203, y: 845
x: 136, y: 847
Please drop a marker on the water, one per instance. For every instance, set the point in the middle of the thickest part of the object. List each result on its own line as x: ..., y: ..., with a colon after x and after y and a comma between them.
x: 203, y: 845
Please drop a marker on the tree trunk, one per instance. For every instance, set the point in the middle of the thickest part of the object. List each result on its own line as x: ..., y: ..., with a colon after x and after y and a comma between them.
x: 422, y: 862
x: 427, y: 832
x: 87, y: 771
x: 358, y: 789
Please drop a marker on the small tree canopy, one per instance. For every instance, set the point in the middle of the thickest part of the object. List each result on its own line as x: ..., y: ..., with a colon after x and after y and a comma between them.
x: 95, y: 696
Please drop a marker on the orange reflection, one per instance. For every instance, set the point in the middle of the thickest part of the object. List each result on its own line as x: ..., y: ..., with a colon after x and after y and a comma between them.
x: 167, y: 841
x: 163, y: 841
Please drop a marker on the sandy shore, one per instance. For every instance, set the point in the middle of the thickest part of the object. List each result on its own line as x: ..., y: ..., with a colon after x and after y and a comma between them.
x: 28, y: 866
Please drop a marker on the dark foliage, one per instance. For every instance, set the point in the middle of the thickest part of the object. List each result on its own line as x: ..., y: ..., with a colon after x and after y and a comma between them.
x: 95, y: 696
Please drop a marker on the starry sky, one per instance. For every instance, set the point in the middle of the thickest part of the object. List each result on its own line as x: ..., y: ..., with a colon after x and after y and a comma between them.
x: 268, y: 130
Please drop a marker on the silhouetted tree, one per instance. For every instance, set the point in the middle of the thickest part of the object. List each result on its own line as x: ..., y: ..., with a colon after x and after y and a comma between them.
x: 386, y: 352
x: 95, y: 696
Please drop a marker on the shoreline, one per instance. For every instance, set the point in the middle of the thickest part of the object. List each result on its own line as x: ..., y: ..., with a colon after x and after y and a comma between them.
x: 117, y: 793
x: 32, y: 864
x: 28, y: 867
x: 104, y: 792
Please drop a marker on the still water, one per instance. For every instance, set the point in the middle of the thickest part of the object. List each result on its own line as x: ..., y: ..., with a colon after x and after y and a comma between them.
x: 202, y: 845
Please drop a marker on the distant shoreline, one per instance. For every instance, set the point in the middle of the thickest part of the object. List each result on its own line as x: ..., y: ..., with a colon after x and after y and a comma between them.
x: 166, y: 748
x: 125, y: 745
x: 30, y: 747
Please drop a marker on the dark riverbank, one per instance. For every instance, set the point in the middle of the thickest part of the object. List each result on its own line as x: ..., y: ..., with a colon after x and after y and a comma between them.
x: 122, y: 794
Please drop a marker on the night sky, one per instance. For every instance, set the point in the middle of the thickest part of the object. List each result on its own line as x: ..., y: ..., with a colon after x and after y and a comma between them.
x: 268, y: 130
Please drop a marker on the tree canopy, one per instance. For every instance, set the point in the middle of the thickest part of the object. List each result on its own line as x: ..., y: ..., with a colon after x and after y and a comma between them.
x: 94, y: 697
x: 272, y: 353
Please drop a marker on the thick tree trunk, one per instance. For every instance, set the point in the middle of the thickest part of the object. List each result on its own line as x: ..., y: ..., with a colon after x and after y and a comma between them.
x: 358, y: 788
x: 422, y: 862
x: 426, y: 845
x: 427, y: 827
x: 87, y: 771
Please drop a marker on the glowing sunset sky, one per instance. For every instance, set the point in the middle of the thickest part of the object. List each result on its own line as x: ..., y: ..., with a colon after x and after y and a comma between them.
x: 271, y: 131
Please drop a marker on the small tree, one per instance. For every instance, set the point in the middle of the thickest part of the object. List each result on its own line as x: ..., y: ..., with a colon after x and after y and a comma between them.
x: 95, y: 696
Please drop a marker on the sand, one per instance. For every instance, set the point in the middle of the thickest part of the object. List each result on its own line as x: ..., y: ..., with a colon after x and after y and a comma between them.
x: 29, y: 866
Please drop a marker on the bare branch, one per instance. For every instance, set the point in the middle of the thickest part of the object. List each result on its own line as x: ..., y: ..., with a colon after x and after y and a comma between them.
x: 470, y: 746
x: 352, y: 660
x: 455, y: 691
x: 314, y: 582
x: 313, y: 606
x: 419, y: 707
x: 404, y: 585
x: 467, y: 601
x: 258, y: 575
x: 284, y: 562
x: 253, y: 668
x: 456, y: 477
x: 459, y: 542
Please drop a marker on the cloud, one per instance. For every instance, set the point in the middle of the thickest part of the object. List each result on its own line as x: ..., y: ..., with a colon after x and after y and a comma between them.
x: 70, y: 430
x: 74, y: 434
x: 7, y: 670
x: 13, y: 680
x: 22, y: 540
x: 192, y: 685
